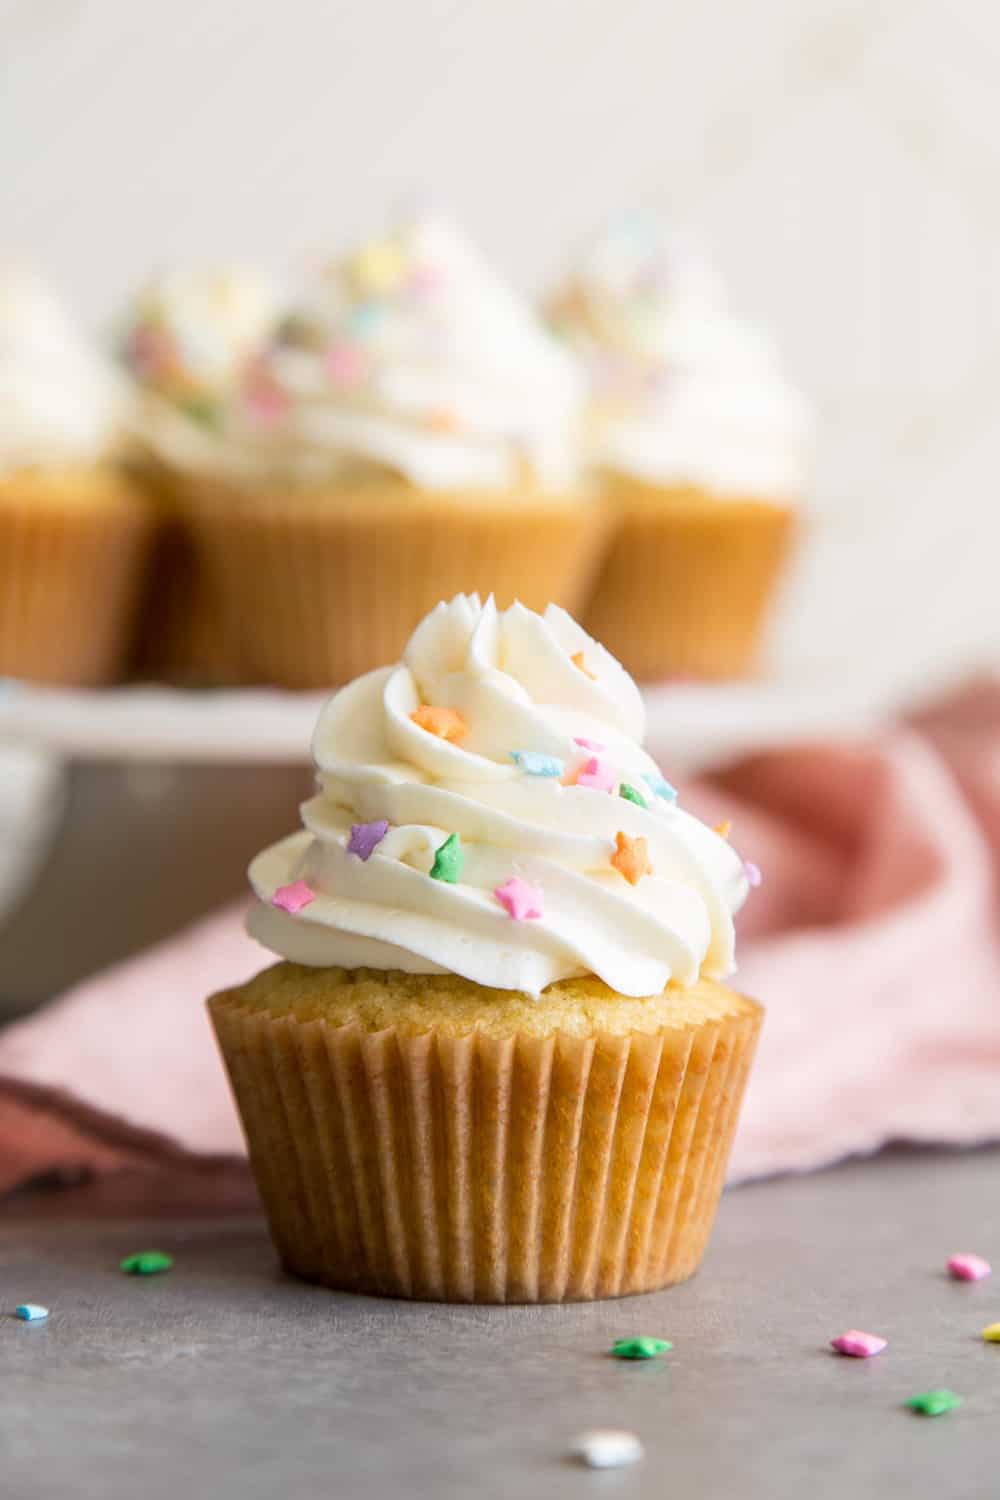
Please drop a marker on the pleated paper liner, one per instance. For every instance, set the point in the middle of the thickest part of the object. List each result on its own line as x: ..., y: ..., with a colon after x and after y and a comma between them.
x: 184, y: 634
x: 73, y: 550
x: 687, y: 582
x: 327, y: 585
x: 478, y: 1169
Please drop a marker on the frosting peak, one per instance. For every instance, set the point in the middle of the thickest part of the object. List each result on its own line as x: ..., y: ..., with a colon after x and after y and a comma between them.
x: 60, y: 402
x: 411, y: 355
x: 518, y: 836
x: 682, y: 392
x: 188, y: 341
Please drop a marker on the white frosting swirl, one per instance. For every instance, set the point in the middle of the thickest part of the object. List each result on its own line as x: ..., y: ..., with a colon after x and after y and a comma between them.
x: 411, y: 355
x: 682, y: 392
x: 188, y: 341
x: 512, y: 678
x: 60, y: 402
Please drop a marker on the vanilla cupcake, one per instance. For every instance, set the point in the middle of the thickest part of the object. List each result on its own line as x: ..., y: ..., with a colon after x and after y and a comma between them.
x: 73, y: 534
x: 412, y: 431
x: 498, y: 1061
x: 701, y: 445
x: 187, y: 342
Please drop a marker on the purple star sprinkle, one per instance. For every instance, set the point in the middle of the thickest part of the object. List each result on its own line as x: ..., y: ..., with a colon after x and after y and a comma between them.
x: 366, y: 837
x: 752, y: 873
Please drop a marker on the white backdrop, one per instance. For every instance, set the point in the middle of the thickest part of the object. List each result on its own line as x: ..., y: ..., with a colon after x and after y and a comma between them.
x: 840, y: 158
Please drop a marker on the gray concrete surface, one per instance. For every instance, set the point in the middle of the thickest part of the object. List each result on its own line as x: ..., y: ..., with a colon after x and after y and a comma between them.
x: 225, y: 1379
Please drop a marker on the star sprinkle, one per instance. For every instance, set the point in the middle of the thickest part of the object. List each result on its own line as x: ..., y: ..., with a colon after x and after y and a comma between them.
x: 523, y: 902
x: 442, y: 419
x: 991, y: 1333
x: 578, y: 661
x: 631, y: 795
x: 660, y: 787
x: 345, y: 365
x: 596, y: 775
x: 534, y: 763
x: 446, y: 723
x: 596, y: 745
x: 859, y: 1345
x: 631, y: 858
x: 448, y: 860
x: 607, y: 1448
x: 293, y: 898
x: 366, y: 837
x: 379, y: 268
x: 31, y: 1312
x: 640, y: 1348
x: 752, y: 873
x: 146, y: 1263
x: 723, y: 829
x: 968, y: 1267
x: 934, y: 1403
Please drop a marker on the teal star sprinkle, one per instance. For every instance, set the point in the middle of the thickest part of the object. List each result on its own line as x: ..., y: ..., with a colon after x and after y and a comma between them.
x: 659, y: 787
x: 448, y: 860
x: 631, y: 795
x: 534, y: 763
x: 640, y: 1348
x: 934, y: 1403
x: 146, y: 1263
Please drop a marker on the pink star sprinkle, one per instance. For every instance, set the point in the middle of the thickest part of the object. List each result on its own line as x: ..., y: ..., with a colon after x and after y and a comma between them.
x: 599, y: 777
x: 968, y: 1267
x: 366, y: 837
x: 345, y: 365
x: 589, y: 744
x: 522, y: 901
x: 266, y: 404
x: 752, y: 873
x: 293, y: 898
x: 859, y: 1345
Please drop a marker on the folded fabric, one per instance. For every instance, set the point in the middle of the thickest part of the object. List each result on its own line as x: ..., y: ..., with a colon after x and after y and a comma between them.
x: 874, y: 943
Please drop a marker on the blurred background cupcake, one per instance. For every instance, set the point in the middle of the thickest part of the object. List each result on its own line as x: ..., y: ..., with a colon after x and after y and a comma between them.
x: 411, y: 432
x: 186, y: 342
x: 73, y: 533
x: 701, y: 446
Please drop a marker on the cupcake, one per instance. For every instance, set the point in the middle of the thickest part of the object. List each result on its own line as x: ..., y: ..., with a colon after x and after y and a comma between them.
x: 412, y: 431
x: 73, y: 533
x: 186, y: 343
x: 497, y: 1061
x: 701, y: 446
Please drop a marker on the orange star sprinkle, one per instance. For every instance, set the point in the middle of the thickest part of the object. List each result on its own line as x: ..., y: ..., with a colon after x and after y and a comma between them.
x: 631, y: 858
x: 578, y: 661
x: 443, y: 419
x: 447, y: 723
x: 723, y: 829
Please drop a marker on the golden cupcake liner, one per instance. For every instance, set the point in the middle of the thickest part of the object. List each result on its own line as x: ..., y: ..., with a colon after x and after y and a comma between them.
x: 687, y: 582
x: 184, y: 633
x: 324, y: 590
x: 73, y: 549
x: 472, y: 1169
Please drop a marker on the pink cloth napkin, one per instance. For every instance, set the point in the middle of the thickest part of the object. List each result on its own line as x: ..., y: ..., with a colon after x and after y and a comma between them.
x: 874, y: 943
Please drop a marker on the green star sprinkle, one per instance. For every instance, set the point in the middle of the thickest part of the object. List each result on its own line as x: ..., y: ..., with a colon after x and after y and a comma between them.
x: 448, y: 860
x: 640, y: 1348
x: 146, y: 1263
x: 631, y: 795
x: 934, y: 1403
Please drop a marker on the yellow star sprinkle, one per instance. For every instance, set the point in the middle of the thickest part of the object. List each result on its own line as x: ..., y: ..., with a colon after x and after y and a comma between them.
x: 631, y: 858
x: 378, y: 269
x: 578, y: 661
x: 723, y: 829
x: 991, y: 1333
x: 447, y: 723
